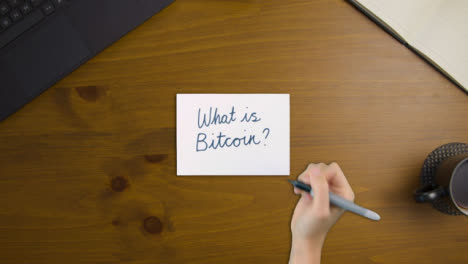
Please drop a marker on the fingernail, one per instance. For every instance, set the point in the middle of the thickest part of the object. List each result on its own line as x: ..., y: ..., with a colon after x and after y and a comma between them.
x: 296, y: 190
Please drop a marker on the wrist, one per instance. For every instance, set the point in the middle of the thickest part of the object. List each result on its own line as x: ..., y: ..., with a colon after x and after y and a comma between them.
x: 316, y: 240
x: 305, y: 251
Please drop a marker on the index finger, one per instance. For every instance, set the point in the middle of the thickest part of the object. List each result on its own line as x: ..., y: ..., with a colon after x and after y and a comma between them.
x: 338, y: 182
x: 305, y: 175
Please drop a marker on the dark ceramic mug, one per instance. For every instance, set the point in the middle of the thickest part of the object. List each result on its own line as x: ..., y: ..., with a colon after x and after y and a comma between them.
x: 451, y: 179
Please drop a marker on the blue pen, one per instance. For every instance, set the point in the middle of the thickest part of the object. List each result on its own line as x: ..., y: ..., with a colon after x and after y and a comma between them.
x: 340, y: 202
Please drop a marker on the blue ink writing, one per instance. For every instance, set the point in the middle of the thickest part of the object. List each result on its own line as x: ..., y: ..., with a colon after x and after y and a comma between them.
x: 268, y: 132
x: 250, y: 118
x: 214, y: 118
x: 223, y: 141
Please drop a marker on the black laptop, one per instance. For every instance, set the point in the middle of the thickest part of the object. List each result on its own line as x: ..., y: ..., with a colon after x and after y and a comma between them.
x: 41, y: 41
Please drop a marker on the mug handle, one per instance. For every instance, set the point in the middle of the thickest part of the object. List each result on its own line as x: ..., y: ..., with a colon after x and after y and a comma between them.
x: 429, y: 193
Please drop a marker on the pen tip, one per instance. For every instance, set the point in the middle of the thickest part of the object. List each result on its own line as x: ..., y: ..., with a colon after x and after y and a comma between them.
x: 291, y: 181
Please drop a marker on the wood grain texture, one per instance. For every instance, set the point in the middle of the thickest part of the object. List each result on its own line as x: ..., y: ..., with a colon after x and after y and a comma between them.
x: 90, y: 164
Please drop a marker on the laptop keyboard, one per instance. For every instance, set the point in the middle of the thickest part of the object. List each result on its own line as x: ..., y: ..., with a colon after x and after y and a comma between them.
x: 17, y: 16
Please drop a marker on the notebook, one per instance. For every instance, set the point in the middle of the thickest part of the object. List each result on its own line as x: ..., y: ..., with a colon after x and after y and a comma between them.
x: 435, y: 29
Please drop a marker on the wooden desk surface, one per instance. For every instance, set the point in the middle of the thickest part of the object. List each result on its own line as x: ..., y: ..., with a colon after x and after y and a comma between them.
x: 85, y: 163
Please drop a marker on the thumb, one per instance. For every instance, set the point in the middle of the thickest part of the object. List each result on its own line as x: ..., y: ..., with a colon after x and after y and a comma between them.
x: 321, y: 201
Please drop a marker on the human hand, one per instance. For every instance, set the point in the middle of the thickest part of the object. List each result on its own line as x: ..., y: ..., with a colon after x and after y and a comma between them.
x: 313, y: 217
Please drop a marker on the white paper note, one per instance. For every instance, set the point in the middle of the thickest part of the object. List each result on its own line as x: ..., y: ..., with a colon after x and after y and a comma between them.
x: 233, y: 134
